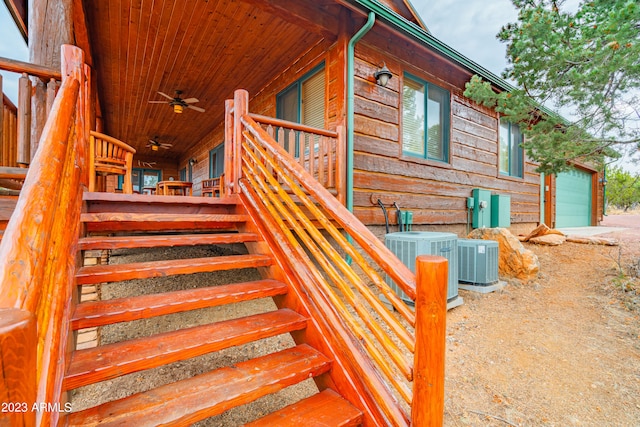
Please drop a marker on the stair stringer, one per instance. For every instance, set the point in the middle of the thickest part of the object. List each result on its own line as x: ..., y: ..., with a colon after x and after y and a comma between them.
x: 320, y: 332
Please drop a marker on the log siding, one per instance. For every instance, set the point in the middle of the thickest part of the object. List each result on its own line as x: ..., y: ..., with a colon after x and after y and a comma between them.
x: 434, y: 191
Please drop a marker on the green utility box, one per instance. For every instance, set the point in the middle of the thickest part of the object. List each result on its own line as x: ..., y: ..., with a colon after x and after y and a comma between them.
x: 500, y: 210
x: 481, y: 208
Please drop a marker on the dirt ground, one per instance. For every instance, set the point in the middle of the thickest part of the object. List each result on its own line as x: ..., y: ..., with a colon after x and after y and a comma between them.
x: 563, y: 350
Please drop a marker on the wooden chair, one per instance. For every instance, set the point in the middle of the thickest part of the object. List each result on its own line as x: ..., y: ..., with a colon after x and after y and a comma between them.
x: 109, y: 156
x: 213, y: 187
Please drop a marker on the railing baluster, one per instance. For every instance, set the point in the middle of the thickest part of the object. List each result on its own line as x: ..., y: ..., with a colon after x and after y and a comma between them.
x: 24, y: 120
x: 52, y: 87
x: 321, y: 149
x: 312, y: 154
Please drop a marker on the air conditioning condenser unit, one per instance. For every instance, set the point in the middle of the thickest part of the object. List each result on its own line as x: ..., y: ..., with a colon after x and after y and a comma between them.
x: 478, y: 261
x: 409, y: 244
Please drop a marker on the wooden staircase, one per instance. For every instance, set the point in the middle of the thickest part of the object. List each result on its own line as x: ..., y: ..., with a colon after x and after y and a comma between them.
x: 188, y: 221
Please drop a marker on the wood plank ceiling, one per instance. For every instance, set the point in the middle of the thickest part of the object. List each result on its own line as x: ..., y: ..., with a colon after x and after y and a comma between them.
x: 205, y: 48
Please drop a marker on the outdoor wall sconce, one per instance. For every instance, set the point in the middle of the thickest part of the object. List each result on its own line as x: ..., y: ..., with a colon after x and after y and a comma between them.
x: 192, y: 162
x: 383, y: 75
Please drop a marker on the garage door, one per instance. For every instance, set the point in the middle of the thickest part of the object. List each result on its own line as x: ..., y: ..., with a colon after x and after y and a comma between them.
x: 573, y: 199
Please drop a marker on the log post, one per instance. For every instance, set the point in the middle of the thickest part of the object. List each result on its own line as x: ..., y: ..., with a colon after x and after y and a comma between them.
x: 24, y: 121
x: 427, y: 408
x: 341, y: 164
x: 18, y: 367
x: 228, y: 143
x: 240, y: 108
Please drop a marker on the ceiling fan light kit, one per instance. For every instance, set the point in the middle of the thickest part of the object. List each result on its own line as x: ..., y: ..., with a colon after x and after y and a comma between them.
x: 178, y: 103
x: 155, y: 145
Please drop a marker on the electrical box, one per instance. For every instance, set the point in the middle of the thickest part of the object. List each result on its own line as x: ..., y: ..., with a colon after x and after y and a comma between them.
x: 481, y: 217
x: 407, y: 220
x: 500, y: 210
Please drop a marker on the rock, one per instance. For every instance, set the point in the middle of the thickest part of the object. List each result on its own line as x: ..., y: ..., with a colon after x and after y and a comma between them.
x: 549, y: 239
x: 541, y: 230
x: 514, y: 259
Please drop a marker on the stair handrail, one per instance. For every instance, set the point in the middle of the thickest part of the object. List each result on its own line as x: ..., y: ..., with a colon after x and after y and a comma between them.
x: 262, y: 172
x: 38, y: 253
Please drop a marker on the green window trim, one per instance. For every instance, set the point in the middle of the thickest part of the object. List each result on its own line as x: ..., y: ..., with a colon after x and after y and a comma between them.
x: 425, y: 106
x: 511, y: 154
x: 183, y: 174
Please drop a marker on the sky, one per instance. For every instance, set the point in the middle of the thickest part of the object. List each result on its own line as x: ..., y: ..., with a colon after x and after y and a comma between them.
x: 12, y: 46
x: 468, y: 26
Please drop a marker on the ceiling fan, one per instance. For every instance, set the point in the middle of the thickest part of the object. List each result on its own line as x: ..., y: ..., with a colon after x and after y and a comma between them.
x: 155, y: 145
x: 178, y: 103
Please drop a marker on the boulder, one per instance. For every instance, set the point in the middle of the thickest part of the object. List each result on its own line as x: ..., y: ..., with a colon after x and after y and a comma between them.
x: 549, y: 239
x: 515, y: 261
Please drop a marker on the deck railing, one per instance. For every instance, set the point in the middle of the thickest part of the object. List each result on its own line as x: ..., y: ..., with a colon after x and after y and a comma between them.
x: 320, y: 152
x: 18, y: 137
x: 8, y: 132
x: 395, y: 357
x: 38, y: 257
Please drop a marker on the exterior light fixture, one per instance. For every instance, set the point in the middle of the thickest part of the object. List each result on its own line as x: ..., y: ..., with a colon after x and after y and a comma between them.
x: 383, y: 75
x: 192, y: 162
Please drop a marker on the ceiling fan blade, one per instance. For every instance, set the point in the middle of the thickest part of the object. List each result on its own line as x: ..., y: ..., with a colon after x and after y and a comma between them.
x: 193, y: 107
x: 157, y: 102
x: 166, y: 96
x: 166, y: 145
x: 190, y: 100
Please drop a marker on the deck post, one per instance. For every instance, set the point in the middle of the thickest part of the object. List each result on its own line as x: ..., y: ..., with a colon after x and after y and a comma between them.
x: 427, y: 407
x: 240, y: 108
x: 228, y: 143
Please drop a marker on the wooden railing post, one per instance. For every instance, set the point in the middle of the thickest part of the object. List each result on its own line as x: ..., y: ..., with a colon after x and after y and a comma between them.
x: 228, y: 143
x: 341, y: 164
x: 427, y: 408
x: 240, y: 108
x: 24, y: 121
x: 18, y: 367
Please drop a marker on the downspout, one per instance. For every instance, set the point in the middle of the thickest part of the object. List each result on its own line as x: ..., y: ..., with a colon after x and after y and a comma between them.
x: 350, y: 105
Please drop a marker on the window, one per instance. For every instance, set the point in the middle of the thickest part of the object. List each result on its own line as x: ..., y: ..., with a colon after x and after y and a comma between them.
x: 511, y: 156
x: 303, y: 102
x: 425, y: 106
x: 183, y: 174
x: 142, y: 178
x: 216, y: 161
